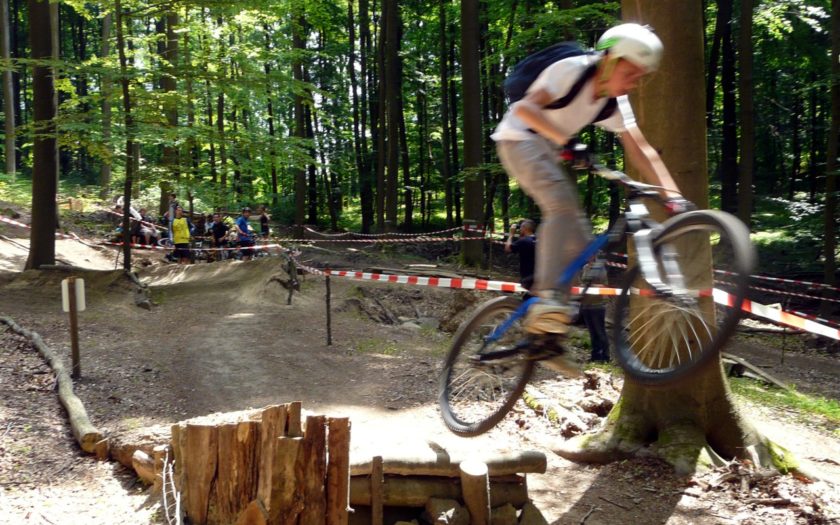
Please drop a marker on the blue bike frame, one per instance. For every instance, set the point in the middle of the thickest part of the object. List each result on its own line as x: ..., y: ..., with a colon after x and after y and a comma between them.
x: 565, y: 280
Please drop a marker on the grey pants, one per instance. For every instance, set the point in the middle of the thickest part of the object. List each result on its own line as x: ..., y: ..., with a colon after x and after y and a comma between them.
x: 563, y: 231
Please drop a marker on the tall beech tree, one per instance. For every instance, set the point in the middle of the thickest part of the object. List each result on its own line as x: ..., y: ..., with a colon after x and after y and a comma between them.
x: 44, y: 148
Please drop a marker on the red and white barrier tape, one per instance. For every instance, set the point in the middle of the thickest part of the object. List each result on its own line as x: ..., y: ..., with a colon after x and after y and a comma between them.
x: 194, y: 249
x: 778, y: 316
x: 342, y: 234
x: 721, y: 297
x: 811, y: 284
x: 28, y: 227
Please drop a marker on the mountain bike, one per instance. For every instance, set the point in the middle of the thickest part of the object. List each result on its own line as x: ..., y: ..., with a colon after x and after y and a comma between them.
x: 665, y: 324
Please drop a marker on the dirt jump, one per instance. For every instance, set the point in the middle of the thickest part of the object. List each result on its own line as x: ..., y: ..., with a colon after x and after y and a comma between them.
x: 221, y: 337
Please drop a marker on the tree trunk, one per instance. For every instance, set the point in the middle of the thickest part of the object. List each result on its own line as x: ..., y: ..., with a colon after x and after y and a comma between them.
x: 105, y: 80
x: 391, y: 18
x: 694, y: 423
x: 745, y: 90
x: 714, y: 59
x: 729, y: 147
x: 367, y: 181
x: 445, y: 165
x: 129, y: 138
x: 8, y: 92
x: 44, y: 149
x: 453, y: 131
x: 380, y: 125
x: 169, y: 84
x: 299, y: 44
x: 471, y: 100
x: 830, y: 219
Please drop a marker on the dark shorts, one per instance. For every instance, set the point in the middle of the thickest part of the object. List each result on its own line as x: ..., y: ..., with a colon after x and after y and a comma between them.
x: 182, y: 251
x: 246, y: 247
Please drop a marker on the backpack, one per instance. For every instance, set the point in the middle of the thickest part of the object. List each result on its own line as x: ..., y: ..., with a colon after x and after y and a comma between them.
x: 526, y: 71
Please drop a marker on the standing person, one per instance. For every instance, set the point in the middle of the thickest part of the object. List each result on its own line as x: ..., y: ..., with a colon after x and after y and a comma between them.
x: 566, y: 96
x: 170, y: 213
x: 181, y: 228
x: 243, y: 230
x: 526, y: 247
x: 593, y: 310
x: 218, y: 232
x: 264, y: 218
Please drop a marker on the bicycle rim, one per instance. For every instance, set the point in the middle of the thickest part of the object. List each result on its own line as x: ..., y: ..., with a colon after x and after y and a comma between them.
x: 475, y: 396
x: 660, y: 338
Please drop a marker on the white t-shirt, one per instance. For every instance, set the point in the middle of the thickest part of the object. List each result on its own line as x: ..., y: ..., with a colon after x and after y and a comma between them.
x: 558, y: 79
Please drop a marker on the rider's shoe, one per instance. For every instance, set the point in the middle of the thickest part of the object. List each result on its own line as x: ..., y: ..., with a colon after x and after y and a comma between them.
x: 549, y: 316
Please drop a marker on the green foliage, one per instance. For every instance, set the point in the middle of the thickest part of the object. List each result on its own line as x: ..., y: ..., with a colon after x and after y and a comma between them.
x: 807, y: 405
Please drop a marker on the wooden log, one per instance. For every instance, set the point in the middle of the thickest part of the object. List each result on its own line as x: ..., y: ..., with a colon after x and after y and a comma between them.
x: 273, y: 425
x: 293, y: 422
x: 235, y: 484
x: 198, y: 456
x: 286, y: 497
x: 86, y: 435
x: 314, y: 471
x: 475, y: 488
x: 144, y: 466
x: 338, y: 471
x: 254, y: 514
x: 433, y: 463
x: 399, y: 491
x: 376, y: 496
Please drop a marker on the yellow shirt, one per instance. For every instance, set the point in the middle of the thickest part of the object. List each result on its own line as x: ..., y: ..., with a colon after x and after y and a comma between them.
x: 180, y: 231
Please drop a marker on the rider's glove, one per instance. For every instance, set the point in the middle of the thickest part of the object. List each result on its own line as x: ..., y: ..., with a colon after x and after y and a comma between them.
x: 678, y: 205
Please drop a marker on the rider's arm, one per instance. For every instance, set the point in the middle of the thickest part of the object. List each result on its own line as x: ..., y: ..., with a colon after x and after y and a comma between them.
x: 646, y: 159
x: 529, y: 110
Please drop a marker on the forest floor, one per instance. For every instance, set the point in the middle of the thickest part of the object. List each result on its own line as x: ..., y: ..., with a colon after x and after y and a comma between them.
x: 221, y: 338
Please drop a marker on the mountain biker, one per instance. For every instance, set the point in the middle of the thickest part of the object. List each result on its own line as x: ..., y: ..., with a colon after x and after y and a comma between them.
x: 531, y: 128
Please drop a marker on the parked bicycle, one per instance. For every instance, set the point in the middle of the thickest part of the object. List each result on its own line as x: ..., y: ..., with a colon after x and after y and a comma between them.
x: 665, y: 325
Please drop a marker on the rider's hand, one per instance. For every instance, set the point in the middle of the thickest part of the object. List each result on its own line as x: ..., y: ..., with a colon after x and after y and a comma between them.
x: 677, y: 205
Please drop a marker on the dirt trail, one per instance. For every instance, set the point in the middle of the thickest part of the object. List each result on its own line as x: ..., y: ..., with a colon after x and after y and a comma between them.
x: 221, y: 338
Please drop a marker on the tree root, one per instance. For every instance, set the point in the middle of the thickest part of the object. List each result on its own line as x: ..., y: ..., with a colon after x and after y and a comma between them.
x: 681, y: 444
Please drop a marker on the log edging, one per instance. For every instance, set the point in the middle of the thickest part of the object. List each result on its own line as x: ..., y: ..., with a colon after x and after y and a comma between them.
x: 88, y: 436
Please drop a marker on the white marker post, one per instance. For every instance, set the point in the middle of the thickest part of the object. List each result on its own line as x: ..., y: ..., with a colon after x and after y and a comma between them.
x: 73, y: 301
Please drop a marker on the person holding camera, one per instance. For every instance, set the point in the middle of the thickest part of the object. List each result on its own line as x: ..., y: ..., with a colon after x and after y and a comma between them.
x: 526, y: 247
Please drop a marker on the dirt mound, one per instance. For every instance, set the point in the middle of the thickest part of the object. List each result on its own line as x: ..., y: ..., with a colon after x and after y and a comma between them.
x: 256, y: 282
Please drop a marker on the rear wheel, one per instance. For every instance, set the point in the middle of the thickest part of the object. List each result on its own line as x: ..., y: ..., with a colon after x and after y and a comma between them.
x: 661, y: 336
x: 476, y: 394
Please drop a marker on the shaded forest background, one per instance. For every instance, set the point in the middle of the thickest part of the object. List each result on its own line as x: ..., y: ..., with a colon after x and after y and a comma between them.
x: 376, y: 115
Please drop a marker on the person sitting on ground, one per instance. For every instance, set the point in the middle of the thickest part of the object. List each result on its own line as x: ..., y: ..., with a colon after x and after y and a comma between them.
x: 525, y: 247
x: 243, y: 230
x: 181, y: 230
x: 565, y: 97
x: 147, y: 229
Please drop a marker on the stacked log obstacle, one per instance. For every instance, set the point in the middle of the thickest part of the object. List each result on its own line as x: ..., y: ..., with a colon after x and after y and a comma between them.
x: 442, y: 483
x: 269, y: 468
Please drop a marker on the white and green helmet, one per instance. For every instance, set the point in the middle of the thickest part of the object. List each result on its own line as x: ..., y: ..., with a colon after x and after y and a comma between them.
x: 633, y: 42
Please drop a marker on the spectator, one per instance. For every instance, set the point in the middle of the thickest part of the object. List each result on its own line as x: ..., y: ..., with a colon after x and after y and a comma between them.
x: 181, y: 229
x: 218, y: 232
x: 243, y: 230
x: 170, y: 213
x: 593, y: 310
x: 525, y: 247
x: 147, y: 229
x: 264, y: 218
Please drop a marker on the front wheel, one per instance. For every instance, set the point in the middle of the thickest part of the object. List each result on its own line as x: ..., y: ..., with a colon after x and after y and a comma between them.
x: 476, y: 393
x: 661, y: 334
